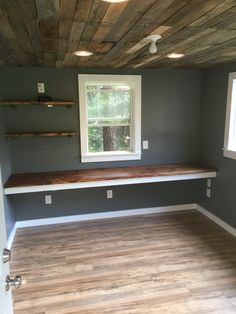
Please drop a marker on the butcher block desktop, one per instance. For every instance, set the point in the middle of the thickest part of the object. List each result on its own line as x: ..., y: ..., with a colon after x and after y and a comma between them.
x: 77, y: 179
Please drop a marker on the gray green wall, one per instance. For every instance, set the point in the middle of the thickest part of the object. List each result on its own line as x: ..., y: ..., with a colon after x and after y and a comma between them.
x: 223, y: 197
x: 170, y: 117
x: 183, y: 116
x: 171, y: 104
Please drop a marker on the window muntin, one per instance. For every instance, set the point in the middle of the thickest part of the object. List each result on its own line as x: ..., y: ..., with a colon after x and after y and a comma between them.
x: 110, y: 117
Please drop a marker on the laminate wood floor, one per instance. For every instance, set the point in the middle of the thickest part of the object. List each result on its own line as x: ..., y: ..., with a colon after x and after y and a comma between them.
x: 159, y: 264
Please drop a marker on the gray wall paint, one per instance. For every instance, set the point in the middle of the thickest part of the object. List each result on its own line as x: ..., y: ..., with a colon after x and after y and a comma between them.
x: 5, y: 173
x: 170, y: 117
x: 223, y: 199
x: 170, y: 121
x: 84, y: 201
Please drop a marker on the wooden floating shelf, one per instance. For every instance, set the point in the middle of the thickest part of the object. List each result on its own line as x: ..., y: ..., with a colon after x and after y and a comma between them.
x: 40, y: 134
x: 48, y: 104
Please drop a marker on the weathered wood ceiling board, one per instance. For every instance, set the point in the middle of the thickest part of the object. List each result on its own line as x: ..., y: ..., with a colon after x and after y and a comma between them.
x: 47, y: 32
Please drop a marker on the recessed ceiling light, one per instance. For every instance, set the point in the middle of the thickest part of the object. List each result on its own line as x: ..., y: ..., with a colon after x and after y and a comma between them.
x: 175, y: 55
x: 114, y: 1
x: 83, y: 53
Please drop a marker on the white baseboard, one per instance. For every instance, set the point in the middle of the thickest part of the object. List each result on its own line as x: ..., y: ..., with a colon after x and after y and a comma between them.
x: 103, y: 215
x: 216, y: 220
x: 115, y: 214
x: 11, y: 236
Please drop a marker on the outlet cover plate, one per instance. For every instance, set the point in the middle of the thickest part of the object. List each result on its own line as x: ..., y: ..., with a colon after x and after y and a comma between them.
x: 41, y: 88
x: 48, y: 199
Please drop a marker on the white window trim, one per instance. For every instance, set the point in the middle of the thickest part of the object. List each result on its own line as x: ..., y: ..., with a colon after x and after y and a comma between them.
x: 226, y: 151
x: 135, y: 80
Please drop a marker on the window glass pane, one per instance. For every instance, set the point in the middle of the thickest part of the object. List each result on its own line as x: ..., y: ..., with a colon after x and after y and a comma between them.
x: 108, y: 104
x: 109, y: 138
x: 232, y: 131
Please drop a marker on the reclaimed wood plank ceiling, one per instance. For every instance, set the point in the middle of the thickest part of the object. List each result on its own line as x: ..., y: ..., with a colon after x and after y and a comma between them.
x: 47, y: 32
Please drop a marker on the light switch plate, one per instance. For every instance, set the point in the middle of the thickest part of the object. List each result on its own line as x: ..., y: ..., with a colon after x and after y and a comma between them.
x: 145, y: 145
x: 41, y: 88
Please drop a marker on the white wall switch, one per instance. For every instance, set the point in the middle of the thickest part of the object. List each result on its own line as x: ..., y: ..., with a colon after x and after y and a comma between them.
x: 48, y: 199
x: 41, y: 88
x: 208, y: 193
x: 109, y: 194
x: 145, y: 144
x: 208, y: 183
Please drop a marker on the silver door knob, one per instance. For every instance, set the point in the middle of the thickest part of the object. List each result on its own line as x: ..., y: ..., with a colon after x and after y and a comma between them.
x: 15, y: 282
x: 6, y: 255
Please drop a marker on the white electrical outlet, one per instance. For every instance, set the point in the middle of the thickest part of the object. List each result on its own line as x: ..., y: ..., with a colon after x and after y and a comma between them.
x: 208, y: 193
x: 109, y: 194
x: 208, y: 183
x: 145, y: 144
x: 41, y: 88
x: 48, y: 199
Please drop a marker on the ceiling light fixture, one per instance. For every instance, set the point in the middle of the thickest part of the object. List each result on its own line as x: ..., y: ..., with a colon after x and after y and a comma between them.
x: 153, y: 40
x: 83, y: 53
x: 175, y: 55
x: 114, y: 1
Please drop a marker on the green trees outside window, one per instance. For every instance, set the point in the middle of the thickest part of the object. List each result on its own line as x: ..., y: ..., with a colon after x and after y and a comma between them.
x: 109, y: 117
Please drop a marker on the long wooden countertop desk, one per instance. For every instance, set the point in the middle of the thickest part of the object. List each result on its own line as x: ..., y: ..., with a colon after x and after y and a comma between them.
x: 78, y: 179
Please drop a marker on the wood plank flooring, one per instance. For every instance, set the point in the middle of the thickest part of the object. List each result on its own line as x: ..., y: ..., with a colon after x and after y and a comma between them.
x: 158, y: 264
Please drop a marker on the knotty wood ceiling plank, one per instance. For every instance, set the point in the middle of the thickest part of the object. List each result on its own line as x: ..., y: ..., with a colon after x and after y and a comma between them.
x: 15, y: 29
x: 75, y: 36
x: 50, y: 59
x: 153, y: 28
x: 49, y: 28
x: 212, y: 53
x: 21, y: 56
x: 139, y: 48
x: 10, y: 8
x: 187, y: 46
x: 28, y: 8
x: 139, y: 31
x: 111, y: 16
x: 189, y: 13
x: 214, y: 13
x: 183, y: 17
x: 128, y: 18
x: 47, y: 9
x: 6, y: 29
x: 22, y: 35
x: 47, y: 32
x: 82, y: 10
x: 95, y: 17
x: 67, y: 9
x: 227, y: 19
x: 6, y: 51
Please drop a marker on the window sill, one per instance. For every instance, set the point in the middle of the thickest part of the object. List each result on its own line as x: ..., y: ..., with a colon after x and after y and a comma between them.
x: 110, y: 156
x: 229, y: 154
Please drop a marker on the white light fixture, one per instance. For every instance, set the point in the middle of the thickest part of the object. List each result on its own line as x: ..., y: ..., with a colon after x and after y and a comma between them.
x: 114, y: 1
x: 175, y: 55
x: 153, y: 39
x: 83, y: 53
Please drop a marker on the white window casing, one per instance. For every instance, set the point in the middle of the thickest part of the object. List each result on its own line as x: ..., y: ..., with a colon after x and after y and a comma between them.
x: 230, y: 121
x: 135, y: 82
